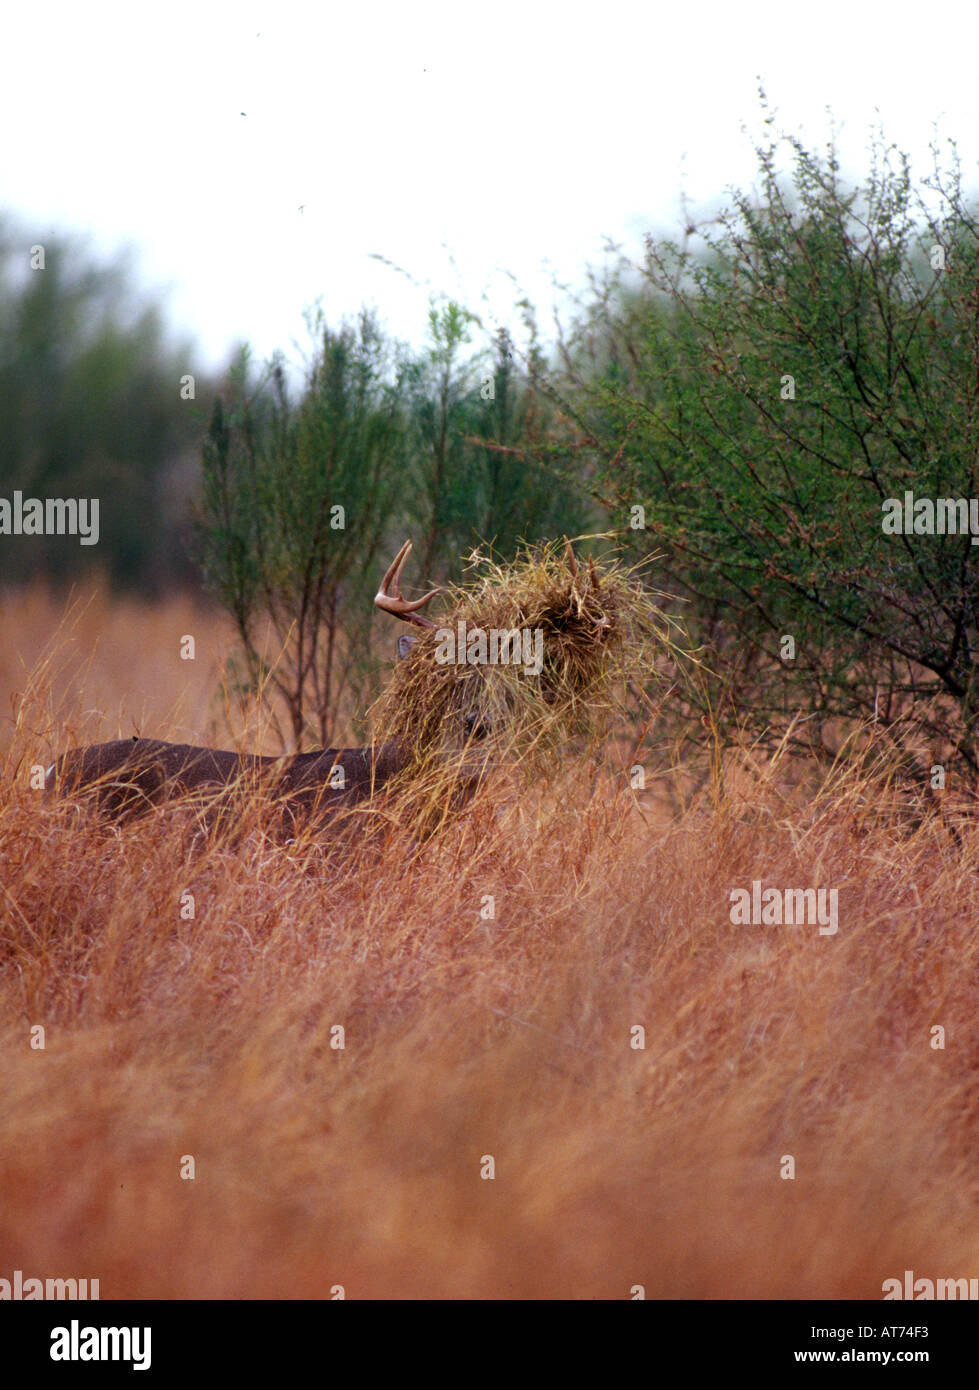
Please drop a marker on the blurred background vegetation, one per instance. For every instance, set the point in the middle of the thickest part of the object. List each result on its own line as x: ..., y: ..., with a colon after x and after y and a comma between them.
x: 736, y: 405
x: 90, y: 406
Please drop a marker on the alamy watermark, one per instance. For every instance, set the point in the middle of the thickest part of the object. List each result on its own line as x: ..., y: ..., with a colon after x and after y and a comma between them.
x: 477, y: 646
x: 776, y: 907
x: 18, y: 1288
x: 78, y: 1343
x: 50, y: 516
x: 931, y: 516
x: 918, y: 1289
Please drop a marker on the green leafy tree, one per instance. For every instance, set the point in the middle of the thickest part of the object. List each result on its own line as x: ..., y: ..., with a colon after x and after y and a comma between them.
x: 478, y: 469
x: 298, y: 496
x: 761, y: 404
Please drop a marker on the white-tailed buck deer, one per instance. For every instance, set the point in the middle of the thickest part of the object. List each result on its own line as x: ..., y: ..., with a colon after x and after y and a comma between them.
x: 129, y: 775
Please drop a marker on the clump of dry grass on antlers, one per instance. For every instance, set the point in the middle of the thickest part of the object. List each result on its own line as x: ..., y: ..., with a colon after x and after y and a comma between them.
x: 603, y: 634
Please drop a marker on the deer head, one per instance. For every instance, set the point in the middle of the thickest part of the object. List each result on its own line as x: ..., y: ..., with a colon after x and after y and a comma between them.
x: 389, y: 599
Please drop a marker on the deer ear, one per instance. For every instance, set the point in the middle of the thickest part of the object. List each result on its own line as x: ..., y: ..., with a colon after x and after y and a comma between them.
x: 405, y: 645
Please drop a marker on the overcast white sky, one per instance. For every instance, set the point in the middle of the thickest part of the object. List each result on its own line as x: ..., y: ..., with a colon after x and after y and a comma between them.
x: 503, y: 137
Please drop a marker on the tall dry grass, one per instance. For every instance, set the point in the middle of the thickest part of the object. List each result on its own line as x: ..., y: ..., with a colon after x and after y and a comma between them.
x: 469, y: 1034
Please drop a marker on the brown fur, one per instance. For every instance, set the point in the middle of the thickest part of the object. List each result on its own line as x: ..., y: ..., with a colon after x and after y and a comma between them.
x: 128, y: 776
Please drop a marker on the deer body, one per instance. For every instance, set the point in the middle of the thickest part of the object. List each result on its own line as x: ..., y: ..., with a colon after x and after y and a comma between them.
x: 129, y: 775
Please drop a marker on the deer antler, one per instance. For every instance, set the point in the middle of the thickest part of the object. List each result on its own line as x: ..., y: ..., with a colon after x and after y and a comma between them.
x: 572, y: 564
x: 571, y: 561
x: 390, y: 598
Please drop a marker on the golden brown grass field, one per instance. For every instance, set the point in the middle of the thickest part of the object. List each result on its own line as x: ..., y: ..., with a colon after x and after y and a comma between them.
x: 469, y: 1036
